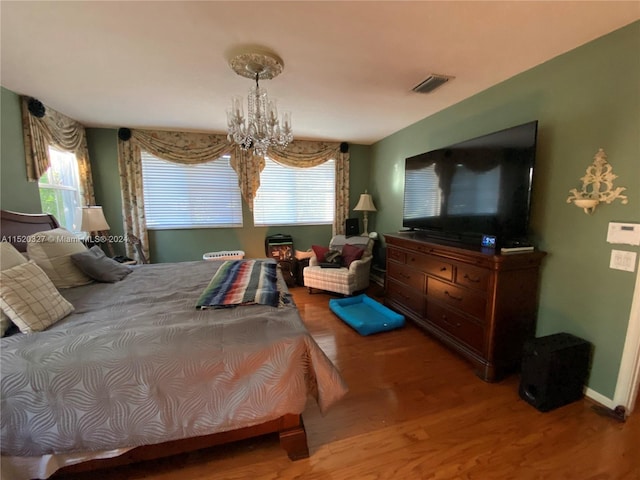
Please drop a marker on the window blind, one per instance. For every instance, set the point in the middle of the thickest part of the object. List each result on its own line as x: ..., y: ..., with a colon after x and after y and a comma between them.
x: 190, y: 196
x: 295, y: 196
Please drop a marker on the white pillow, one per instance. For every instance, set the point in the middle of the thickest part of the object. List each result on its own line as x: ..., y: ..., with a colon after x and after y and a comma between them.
x: 30, y: 299
x: 51, y: 250
x: 9, y: 257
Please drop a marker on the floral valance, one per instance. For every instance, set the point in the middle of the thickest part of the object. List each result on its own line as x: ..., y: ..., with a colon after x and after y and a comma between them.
x: 43, y: 127
x: 193, y: 148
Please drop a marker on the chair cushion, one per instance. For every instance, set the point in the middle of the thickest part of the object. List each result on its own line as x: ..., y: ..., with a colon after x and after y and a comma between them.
x: 330, y: 279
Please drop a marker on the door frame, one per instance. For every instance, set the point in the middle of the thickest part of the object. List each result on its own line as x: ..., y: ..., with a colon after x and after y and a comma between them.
x: 628, y: 382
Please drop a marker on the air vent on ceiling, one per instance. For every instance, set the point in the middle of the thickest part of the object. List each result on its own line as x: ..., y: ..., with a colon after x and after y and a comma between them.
x: 432, y: 82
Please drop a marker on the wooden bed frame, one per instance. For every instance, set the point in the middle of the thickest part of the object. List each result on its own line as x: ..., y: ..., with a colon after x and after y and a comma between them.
x: 14, y: 228
x: 293, y: 439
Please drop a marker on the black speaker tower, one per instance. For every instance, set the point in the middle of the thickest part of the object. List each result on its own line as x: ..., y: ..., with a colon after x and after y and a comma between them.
x: 554, y: 370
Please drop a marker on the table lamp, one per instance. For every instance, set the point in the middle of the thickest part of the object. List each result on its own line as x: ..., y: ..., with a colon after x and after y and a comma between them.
x: 365, y: 204
x: 93, y: 221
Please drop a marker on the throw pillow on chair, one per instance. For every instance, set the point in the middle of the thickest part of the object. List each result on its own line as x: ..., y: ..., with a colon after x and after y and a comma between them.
x: 320, y: 252
x: 351, y: 253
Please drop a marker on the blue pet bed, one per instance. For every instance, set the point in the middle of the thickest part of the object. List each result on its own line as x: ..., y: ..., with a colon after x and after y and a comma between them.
x: 365, y: 315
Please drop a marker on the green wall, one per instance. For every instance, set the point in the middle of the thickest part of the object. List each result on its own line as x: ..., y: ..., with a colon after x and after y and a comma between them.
x: 586, y: 99
x: 190, y: 244
x: 16, y: 193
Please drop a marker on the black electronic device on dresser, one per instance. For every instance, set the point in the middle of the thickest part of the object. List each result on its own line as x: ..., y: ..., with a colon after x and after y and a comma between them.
x: 481, y: 304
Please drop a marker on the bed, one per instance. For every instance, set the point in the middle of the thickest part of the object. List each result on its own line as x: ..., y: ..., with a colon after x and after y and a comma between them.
x: 137, y: 372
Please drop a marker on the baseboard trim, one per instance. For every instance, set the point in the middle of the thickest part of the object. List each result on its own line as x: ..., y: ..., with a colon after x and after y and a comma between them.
x: 599, y: 398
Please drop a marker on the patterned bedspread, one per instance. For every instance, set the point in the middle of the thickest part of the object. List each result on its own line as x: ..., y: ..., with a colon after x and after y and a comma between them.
x: 137, y: 364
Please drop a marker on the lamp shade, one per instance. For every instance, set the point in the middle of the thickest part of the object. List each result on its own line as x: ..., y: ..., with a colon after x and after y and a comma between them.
x: 365, y: 204
x: 93, y: 220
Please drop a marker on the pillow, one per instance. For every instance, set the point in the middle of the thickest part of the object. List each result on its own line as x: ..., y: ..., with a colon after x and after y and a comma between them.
x: 320, y: 252
x: 351, y: 253
x: 97, y: 265
x: 30, y: 299
x: 52, y: 250
x: 9, y: 258
x: 5, y: 324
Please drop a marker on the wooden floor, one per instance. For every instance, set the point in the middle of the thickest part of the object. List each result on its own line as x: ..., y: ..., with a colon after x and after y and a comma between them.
x: 415, y: 411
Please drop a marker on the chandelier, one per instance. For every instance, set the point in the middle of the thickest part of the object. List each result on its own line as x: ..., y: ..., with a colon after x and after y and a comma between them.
x: 261, y: 129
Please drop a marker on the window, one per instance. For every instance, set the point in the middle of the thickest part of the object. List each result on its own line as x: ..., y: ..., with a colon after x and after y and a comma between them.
x: 295, y: 196
x: 190, y: 196
x: 60, y: 189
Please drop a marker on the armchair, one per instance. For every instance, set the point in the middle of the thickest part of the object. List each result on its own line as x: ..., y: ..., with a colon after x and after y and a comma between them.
x: 344, y: 280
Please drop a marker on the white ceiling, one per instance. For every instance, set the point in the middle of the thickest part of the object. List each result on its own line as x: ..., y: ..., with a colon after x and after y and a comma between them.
x: 349, y: 67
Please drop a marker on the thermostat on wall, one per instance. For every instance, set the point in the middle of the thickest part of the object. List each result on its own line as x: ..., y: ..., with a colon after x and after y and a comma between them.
x: 627, y: 233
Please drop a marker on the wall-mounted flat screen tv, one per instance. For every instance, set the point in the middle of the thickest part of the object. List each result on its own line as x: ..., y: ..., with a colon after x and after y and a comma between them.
x: 478, y: 187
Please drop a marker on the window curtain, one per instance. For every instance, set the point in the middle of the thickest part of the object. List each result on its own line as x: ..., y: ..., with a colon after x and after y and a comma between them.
x: 179, y: 147
x: 43, y: 126
x: 193, y: 148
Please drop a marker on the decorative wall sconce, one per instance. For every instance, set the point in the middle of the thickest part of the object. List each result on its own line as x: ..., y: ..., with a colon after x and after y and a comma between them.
x: 597, y: 186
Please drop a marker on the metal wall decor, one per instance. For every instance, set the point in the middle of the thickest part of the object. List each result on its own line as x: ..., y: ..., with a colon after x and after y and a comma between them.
x: 597, y: 186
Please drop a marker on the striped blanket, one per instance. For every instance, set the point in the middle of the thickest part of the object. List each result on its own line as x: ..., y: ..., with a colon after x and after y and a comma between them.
x: 242, y: 282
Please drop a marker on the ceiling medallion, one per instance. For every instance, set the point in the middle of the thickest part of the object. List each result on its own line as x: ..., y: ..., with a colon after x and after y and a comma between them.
x: 266, y: 65
x: 261, y: 129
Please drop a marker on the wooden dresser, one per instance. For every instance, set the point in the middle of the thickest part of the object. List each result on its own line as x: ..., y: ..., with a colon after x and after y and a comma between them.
x: 481, y: 304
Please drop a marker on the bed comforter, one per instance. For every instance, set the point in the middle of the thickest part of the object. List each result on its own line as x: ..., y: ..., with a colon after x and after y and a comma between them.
x: 138, y: 364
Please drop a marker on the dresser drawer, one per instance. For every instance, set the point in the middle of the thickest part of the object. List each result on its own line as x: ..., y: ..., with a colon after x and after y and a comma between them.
x: 407, y: 297
x: 473, y: 277
x: 464, y: 329
x: 406, y: 275
x: 431, y: 265
x: 396, y: 255
x: 457, y: 297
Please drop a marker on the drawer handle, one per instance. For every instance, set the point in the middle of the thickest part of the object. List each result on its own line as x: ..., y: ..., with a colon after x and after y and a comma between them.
x: 443, y: 269
x: 474, y: 280
x: 404, y: 275
x: 452, y: 297
x: 450, y: 323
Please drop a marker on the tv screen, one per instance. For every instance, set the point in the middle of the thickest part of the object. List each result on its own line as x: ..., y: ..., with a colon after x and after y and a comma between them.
x: 478, y: 187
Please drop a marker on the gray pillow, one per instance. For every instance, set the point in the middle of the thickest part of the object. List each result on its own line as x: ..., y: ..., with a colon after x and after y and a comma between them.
x: 95, y: 264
